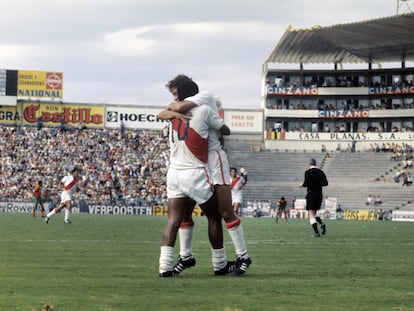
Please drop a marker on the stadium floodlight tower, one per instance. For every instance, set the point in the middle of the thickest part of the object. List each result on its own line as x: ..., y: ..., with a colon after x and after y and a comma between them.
x: 405, y: 6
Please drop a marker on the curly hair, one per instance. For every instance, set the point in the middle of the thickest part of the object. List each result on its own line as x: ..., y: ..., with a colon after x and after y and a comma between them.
x: 186, y: 89
x: 179, y: 79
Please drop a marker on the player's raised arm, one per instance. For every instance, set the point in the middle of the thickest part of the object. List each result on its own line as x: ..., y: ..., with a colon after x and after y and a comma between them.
x: 181, y: 106
x: 170, y: 114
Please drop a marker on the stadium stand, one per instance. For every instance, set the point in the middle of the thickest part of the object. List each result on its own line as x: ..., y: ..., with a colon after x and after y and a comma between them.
x: 123, y: 167
x: 129, y: 167
x: 352, y: 176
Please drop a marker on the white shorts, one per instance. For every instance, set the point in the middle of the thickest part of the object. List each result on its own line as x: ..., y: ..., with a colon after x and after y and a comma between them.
x: 219, y: 167
x: 65, y: 196
x: 190, y: 183
x: 237, y: 196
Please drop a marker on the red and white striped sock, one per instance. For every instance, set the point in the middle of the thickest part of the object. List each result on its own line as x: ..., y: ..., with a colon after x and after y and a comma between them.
x: 236, y: 233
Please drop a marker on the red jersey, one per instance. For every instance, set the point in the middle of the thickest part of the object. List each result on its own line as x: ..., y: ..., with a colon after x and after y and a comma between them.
x: 37, y: 191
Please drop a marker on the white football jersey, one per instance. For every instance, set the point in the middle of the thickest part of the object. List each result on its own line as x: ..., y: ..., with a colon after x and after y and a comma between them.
x: 70, y: 185
x: 206, y: 98
x: 189, y: 140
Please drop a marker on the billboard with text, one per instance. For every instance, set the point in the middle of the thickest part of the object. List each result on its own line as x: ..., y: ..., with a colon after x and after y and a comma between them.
x: 70, y: 114
x: 134, y: 117
x: 39, y: 84
x: 242, y: 121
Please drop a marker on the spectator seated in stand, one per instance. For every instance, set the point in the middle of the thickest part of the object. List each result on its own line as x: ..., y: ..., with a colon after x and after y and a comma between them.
x: 378, y: 200
x: 407, y: 179
x: 370, y: 200
x: 397, y: 176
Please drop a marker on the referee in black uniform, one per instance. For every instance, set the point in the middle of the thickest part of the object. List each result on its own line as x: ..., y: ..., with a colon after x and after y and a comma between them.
x: 315, y: 179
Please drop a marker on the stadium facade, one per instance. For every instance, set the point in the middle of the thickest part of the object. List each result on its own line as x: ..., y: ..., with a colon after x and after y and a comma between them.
x: 315, y: 104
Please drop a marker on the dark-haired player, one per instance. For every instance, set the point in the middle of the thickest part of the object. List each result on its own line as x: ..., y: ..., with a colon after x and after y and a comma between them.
x: 70, y: 186
x: 188, y: 179
x: 219, y: 167
x: 37, y: 193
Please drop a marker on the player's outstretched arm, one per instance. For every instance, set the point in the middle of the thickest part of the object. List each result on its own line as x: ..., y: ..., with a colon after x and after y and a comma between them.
x: 181, y: 106
x: 170, y: 114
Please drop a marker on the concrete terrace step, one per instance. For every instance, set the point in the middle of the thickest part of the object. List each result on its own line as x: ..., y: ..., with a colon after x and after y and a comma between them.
x: 352, y: 176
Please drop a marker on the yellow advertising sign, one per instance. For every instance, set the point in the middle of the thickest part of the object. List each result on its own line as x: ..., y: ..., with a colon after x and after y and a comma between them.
x: 360, y: 215
x: 9, y: 114
x: 39, y: 84
x: 56, y: 113
x: 162, y: 210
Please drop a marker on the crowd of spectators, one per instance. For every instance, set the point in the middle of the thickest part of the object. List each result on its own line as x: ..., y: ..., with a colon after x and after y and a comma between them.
x: 403, y: 154
x: 399, y: 151
x: 339, y: 81
x: 378, y: 102
x: 123, y: 166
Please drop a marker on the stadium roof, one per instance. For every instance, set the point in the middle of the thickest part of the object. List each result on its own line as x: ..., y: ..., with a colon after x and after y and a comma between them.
x: 380, y: 40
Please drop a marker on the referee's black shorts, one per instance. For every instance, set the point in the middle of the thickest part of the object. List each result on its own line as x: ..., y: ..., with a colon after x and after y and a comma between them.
x: 313, y: 200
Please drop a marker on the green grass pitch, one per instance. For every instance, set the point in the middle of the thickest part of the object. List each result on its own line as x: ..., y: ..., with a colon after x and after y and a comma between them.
x: 106, y: 262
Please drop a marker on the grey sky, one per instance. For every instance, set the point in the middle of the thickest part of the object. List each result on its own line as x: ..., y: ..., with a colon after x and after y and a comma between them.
x: 124, y: 51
